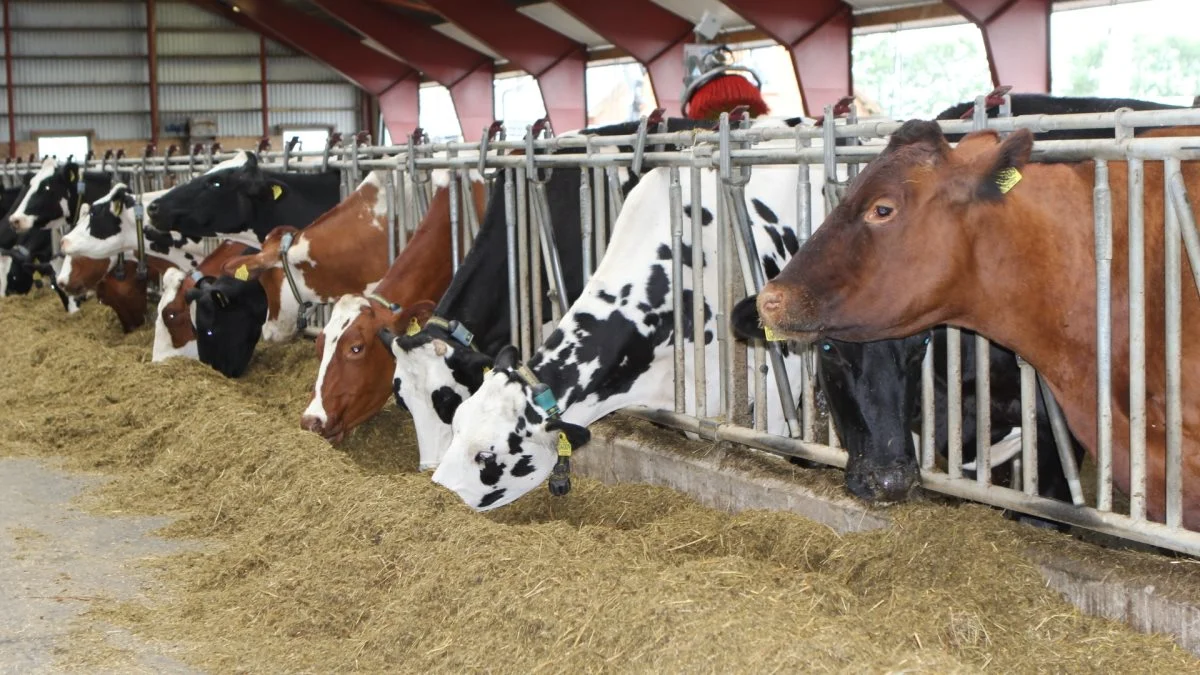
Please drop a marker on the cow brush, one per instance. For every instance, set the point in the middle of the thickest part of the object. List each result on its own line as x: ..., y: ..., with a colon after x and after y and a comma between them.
x: 724, y: 93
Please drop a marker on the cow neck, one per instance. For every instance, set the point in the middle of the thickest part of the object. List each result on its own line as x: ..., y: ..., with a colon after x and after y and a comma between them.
x: 307, y: 198
x: 352, y: 242
x: 422, y: 271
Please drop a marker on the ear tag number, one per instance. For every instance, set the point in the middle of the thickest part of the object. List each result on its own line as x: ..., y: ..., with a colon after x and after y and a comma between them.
x: 1007, y: 179
x: 242, y: 273
x: 771, y: 336
x: 413, y: 327
x: 564, y: 445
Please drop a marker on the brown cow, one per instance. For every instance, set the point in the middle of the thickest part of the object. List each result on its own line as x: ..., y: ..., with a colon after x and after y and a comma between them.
x: 127, y: 296
x: 354, y: 378
x: 930, y: 235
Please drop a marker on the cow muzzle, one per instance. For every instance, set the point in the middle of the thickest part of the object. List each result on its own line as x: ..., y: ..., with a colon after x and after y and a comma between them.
x: 332, y: 433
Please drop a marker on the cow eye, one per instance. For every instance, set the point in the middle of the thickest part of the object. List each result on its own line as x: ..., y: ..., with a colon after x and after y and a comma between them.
x: 215, y: 183
x: 484, y: 457
x: 825, y: 346
x: 881, y: 211
x: 356, y: 349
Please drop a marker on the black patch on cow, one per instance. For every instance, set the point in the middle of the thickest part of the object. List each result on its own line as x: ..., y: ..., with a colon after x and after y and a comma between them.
x: 685, y: 254
x: 396, y: 394
x: 769, y: 267
x: 492, y: 472
x: 534, y: 414
x: 514, y: 443
x: 520, y: 423
x: 706, y: 216
x: 610, y: 299
x: 491, y: 498
x: 626, y: 290
x: 554, y: 340
x: 104, y: 224
x: 524, y: 467
x: 790, y: 242
x: 776, y: 240
x: 764, y: 212
x: 657, y: 287
x: 445, y: 402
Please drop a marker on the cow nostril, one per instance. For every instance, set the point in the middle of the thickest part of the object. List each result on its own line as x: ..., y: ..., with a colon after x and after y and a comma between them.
x: 769, y: 302
x: 312, y: 423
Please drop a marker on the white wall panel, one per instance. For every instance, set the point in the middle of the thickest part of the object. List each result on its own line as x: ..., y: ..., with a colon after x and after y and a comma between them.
x: 78, y: 43
x: 78, y: 71
x: 184, y: 98
x: 299, y: 69
x: 82, y: 99
x: 105, y: 126
x: 344, y: 121
x: 311, y: 96
x: 186, y: 15
x: 27, y: 14
x: 200, y: 69
x: 245, y: 123
x: 207, y: 43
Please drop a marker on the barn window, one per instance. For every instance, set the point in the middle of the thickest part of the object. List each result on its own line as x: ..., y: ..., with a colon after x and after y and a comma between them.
x: 74, y: 145
x: 311, y: 138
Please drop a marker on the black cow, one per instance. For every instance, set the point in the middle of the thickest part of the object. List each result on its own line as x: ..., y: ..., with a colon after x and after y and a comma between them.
x: 22, y: 255
x: 229, y: 319
x: 1044, y: 104
x: 238, y: 197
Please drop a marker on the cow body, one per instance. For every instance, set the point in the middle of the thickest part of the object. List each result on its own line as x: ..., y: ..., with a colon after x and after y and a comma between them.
x: 1044, y: 104
x: 1044, y: 308
x: 53, y: 199
x: 613, y: 348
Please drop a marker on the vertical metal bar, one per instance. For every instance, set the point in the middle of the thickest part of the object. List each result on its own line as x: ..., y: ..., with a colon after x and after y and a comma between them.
x: 262, y: 85
x: 554, y: 272
x: 808, y: 374
x: 403, y: 212
x: 600, y: 224
x: 8, y: 83
x: 829, y: 139
x: 455, y: 224
x: 1137, y: 340
x: 510, y: 220
x: 151, y: 65
x: 536, y: 295
x: 723, y: 265
x: 760, y: 387
x: 1174, y: 352
x: 927, y: 409
x: 1102, y: 204
x: 523, y: 264
x: 1062, y: 439
x: 389, y: 196
x: 470, y: 216
x: 585, y: 219
x: 1029, y: 464
x: 676, y: 214
x: 983, y: 411
x: 954, y: 401
x: 616, y: 198
x: 699, y: 293
x: 1187, y: 222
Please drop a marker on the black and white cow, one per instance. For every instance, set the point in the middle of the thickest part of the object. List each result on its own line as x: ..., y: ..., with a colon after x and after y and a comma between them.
x: 238, y: 200
x: 613, y: 348
x: 228, y: 314
x: 435, y: 371
x: 53, y: 197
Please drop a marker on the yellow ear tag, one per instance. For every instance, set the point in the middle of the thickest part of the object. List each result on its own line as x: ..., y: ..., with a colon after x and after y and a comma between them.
x: 771, y: 336
x: 117, y: 207
x: 487, y: 370
x: 241, y: 273
x: 1007, y: 179
x: 413, y: 327
x: 564, y: 446
x: 277, y: 191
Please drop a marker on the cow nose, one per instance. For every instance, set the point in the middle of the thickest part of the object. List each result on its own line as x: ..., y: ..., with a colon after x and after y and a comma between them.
x: 892, y: 484
x: 770, y: 304
x: 312, y: 423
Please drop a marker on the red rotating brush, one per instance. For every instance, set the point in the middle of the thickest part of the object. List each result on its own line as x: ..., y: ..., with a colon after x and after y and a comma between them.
x: 714, y: 87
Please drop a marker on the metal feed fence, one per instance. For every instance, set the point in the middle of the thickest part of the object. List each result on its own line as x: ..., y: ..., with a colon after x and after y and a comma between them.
x: 734, y: 152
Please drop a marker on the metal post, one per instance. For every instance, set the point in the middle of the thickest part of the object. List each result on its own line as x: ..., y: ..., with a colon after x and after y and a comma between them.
x: 954, y: 401
x: 1137, y: 340
x: 455, y: 225
x: 1173, y: 267
x: 600, y: 224
x: 586, y: 214
x: 1102, y: 205
x: 523, y: 265
x: 510, y: 219
x: 983, y: 411
x: 676, y: 214
x: 1062, y: 440
x: 389, y: 196
x: 699, y: 293
x: 1029, y: 463
x: 927, y: 409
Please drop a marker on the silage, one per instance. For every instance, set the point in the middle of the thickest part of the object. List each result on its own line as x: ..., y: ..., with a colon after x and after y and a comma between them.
x: 326, y: 559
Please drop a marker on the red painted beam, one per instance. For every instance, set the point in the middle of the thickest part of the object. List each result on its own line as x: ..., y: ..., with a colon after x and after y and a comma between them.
x: 375, y: 73
x: 152, y: 65
x: 464, y: 71
x: 818, y: 34
x: 8, y: 85
x: 651, y: 34
x: 1016, y: 34
x: 558, y: 64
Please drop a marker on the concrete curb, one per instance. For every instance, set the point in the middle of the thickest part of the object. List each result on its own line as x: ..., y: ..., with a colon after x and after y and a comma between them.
x: 737, y: 479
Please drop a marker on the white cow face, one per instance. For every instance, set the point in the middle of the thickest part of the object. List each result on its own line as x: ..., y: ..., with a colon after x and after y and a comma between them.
x: 105, y: 228
x: 434, y: 375
x: 503, y: 443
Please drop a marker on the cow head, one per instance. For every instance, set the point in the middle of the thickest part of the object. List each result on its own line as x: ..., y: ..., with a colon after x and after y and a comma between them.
x: 436, y: 370
x: 174, y: 330
x: 252, y: 266
x: 355, y: 372
x: 79, y: 274
x: 106, y: 227
x: 49, y: 199
x: 505, y: 443
x: 894, y: 257
x: 874, y: 393
x: 229, y: 319
x: 125, y: 294
x: 223, y: 200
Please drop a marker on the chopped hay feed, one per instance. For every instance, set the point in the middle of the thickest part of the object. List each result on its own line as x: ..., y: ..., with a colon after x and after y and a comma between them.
x: 325, y: 559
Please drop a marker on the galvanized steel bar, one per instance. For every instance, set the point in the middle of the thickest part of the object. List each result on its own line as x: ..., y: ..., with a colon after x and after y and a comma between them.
x: 533, y: 228
x: 808, y: 372
x: 1029, y: 441
x: 1137, y: 340
x: 954, y: 402
x: 723, y: 286
x: 1187, y: 220
x: 1062, y: 441
x: 675, y: 212
x: 556, y: 280
x: 1102, y: 205
x: 983, y: 410
x: 600, y: 222
x: 699, y: 294
x: 927, y: 410
x: 586, y: 214
x: 1173, y: 268
x: 455, y: 224
x: 510, y: 219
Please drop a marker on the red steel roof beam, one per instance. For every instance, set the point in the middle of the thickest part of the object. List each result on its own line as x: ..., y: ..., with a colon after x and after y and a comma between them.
x: 818, y: 34
x: 375, y: 73
x: 651, y: 34
x: 557, y: 63
x: 1016, y: 35
x: 462, y: 70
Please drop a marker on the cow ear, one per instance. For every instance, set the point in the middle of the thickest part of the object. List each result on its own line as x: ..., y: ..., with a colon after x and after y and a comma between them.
x: 746, y: 324
x: 919, y: 132
x: 576, y: 435
x: 251, y: 160
x: 508, y: 358
x: 998, y: 171
x: 277, y: 190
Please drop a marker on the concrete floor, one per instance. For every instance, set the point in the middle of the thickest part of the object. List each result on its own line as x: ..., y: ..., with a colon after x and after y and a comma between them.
x: 56, y: 560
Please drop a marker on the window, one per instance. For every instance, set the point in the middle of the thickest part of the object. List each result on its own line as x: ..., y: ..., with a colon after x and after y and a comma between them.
x: 61, y: 147
x: 311, y: 139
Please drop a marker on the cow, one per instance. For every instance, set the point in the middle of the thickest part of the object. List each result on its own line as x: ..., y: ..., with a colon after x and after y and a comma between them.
x: 436, y: 369
x: 1044, y: 104
x: 53, y: 197
x: 613, y: 348
x: 174, y: 326
x: 1014, y: 263
x: 355, y: 372
x: 229, y: 317
x: 238, y: 200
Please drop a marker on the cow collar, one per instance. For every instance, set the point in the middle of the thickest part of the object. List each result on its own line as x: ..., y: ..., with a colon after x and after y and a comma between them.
x: 456, y: 330
x: 394, y: 307
x: 285, y: 244
x: 139, y: 227
x: 80, y: 188
x: 559, y: 482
